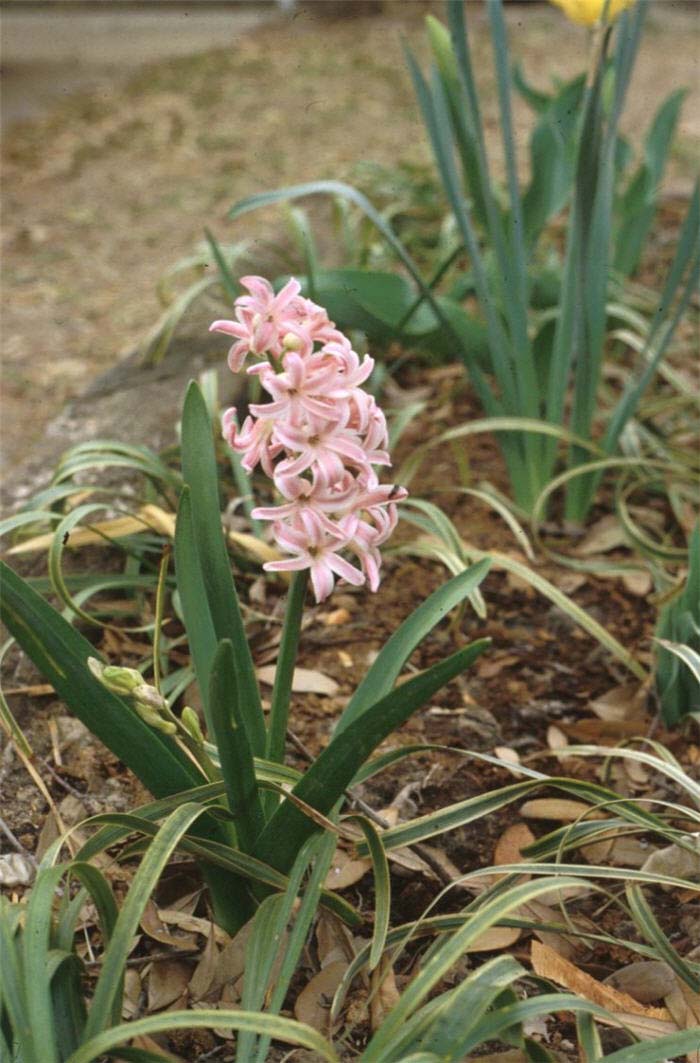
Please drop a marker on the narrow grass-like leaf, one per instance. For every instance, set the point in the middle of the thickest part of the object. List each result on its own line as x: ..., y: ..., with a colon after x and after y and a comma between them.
x: 449, y: 952
x: 266, y: 939
x: 321, y: 851
x: 652, y: 932
x: 497, y: 1022
x: 449, y: 1028
x: 670, y: 1046
x: 689, y: 656
x: 382, y: 888
x: 35, y: 945
x: 13, y: 987
x: 589, y: 1038
x: 237, y: 767
x: 472, y: 808
x: 200, y: 474
x: 327, y: 778
x: 226, y: 277
x: 286, y: 1030
x: 109, y: 985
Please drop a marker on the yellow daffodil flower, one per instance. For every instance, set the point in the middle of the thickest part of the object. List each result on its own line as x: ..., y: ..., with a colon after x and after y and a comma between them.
x: 588, y: 12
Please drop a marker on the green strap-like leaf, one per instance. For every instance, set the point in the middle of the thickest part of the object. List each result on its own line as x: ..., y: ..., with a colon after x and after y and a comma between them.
x: 237, y: 766
x: 60, y: 653
x: 200, y: 474
x: 330, y: 774
x: 386, y: 669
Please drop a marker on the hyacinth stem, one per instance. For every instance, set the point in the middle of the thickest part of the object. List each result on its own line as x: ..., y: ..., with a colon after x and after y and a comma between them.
x: 284, y: 672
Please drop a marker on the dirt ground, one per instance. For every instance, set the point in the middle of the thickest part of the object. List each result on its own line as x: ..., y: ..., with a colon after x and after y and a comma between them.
x: 109, y: 188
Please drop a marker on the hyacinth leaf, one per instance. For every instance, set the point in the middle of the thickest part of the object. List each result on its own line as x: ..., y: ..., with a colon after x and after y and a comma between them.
x: 327, y: 778
x: 201, y: 636
x: 200, y: 475
x: 237, y: 766
x: 61, y: 653
x: 384, y: 672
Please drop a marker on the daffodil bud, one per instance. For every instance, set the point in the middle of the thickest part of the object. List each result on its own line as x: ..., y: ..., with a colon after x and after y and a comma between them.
x: 117, y: 680
x: 190, y: 721
x: 589, y: 12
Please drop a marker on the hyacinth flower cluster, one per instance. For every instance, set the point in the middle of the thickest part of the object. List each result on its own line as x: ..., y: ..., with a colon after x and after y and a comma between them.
x: 319, y: 438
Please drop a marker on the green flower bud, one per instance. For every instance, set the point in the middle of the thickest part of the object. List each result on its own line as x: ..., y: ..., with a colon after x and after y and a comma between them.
x: 154, y: 720
x: 190, y: 721
x: 117, y: 680
x: 148, y: 697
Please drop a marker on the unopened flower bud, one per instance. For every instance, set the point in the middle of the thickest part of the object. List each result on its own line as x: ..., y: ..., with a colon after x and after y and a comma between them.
x: 190, y: 721
x: 291, y: 342
x: 149, y: 698
x: 155, y: 721
x: 117, y: 680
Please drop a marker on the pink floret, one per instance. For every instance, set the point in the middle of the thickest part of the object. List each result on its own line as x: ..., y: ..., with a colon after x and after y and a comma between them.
x: 319, y: 438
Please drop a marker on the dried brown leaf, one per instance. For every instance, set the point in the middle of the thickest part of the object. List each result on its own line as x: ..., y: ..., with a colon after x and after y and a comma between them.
x: 604, y: 535
x: 556, y: 739
x: 167, y: 983
x: 333, y: 940
x: 205, y: 972
x: 155, y: 928
x: 314, y: 1002
x: 384, y: 994
x: 346, y: 871
x: 684, y: 1006
x: 511, y: 843
x: 559, y: 808
x: 549, y: 964
x: 495, y: 938
x: 621, y: 703
x: 304, y: 681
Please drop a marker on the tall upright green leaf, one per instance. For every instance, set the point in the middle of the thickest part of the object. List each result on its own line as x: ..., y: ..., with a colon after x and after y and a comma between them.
x: 392, y: 657
x: 237, y: 766
x: 332, y: 771
x: 200, y: 474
